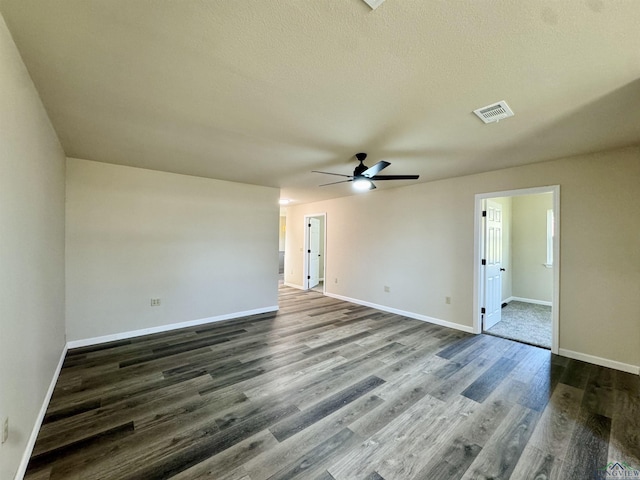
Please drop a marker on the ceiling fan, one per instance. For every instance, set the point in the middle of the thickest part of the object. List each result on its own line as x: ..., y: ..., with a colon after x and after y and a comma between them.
x: 362, y: 175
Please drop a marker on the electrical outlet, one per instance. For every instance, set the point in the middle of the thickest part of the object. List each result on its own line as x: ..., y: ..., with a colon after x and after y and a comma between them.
x: 5, y: 429
x: 155, y: 302
x: 447, y: 300
x: 387, y: 289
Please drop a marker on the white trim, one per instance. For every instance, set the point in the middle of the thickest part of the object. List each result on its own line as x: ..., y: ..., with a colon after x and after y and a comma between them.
x: 305, y: 253
x: 555, y: 307
x: 478, y: 250
x: 529, y: 300
x: 26, y: 455
x: 603, y: 362
x: 165, y: 328
x: 550, y: 233
x: 293, y: 285
x: 416, y: 316
x: 519, y: 192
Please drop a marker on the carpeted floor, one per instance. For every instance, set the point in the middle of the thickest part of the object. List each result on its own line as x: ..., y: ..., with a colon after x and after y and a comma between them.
x: 525, y: 322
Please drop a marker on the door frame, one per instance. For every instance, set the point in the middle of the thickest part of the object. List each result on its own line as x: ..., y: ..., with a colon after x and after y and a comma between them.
x: 479, y: 240
x: 305, y: 250
x: 492, y: 308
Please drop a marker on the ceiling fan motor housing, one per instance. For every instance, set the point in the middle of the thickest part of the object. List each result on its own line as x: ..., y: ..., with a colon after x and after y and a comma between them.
x: 361, y: 167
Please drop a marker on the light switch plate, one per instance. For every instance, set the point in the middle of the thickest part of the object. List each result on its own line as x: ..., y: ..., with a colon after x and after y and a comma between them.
x: 373, y: 3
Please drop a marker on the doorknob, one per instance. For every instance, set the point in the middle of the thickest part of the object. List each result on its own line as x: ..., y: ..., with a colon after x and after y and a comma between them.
x: 502, y: 270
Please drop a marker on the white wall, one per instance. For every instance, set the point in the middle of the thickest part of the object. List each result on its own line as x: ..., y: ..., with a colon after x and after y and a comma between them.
x: 205, y: 247
x: 31, y: 253
x: 283, y: 232
x: 321, y: 247
x: 419, y: 241
x: 531, y: 279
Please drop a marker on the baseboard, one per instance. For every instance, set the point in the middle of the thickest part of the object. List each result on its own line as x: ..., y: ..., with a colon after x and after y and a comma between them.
x: 165, y: 328
x: 24, y: 462
x: 293, y: 285
x: 416, y: 316
x: 603, y: 362
x: 529, y: 300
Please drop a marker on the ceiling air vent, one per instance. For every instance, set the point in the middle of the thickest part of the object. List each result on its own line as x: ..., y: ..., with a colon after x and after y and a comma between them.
x: 494, y: 113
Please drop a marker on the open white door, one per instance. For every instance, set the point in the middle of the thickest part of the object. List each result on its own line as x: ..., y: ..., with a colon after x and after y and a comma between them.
x: 313, y: 252
x: 493, y: 264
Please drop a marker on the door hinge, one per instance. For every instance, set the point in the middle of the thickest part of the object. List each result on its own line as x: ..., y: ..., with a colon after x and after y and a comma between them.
x: 483, y: 310
x: 484, y: 213
x: 308, y: 277
x: 309, y: 225
x: 484, y: 261
x: 308, y: 251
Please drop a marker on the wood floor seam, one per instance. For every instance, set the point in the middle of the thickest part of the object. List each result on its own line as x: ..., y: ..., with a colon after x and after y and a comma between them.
x: 327, y: 390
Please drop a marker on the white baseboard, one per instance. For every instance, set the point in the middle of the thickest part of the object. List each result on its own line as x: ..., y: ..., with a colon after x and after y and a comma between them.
x: 22, y: 468
x: 529, y: 300
x: 603, y: 362
x: 165, y: 328
x: 293, y: 285
x: 24, y: 462
x: 416, y: 316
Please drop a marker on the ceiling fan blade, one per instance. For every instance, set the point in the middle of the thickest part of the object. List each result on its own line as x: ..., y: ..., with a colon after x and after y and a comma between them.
x: 333, y: 183
x: 395, y: 177
x: 370, y: 172
x: 329, y: 173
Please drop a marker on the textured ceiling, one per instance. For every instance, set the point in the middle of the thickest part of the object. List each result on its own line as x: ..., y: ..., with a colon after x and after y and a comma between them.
x: 263, y: 92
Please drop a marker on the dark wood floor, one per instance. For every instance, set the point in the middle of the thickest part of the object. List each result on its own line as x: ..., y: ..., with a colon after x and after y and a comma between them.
x: 330, y: 390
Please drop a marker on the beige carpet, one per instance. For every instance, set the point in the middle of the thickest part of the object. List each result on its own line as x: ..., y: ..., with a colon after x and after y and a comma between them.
x: 525, y: 322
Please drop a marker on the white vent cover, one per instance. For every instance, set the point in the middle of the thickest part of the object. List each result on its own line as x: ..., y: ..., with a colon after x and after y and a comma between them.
x: 373, y: 3
x: 494, y: 113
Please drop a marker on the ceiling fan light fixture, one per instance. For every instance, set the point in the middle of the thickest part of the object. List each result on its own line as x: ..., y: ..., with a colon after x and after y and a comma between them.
x: 364, y: 176
x: 362, y: 184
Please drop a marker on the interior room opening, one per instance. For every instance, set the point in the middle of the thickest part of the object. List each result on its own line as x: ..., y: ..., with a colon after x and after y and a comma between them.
x: 517, y: 279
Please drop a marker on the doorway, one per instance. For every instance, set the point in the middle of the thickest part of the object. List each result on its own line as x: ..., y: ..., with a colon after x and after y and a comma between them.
x: 314, y: 261
x: 282, y: 232
x: 516, y: 277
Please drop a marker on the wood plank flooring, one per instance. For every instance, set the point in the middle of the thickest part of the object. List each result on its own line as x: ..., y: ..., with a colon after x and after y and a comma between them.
x: 329, y: 390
